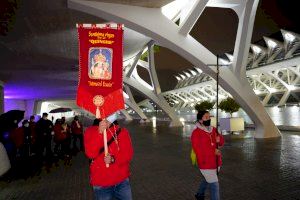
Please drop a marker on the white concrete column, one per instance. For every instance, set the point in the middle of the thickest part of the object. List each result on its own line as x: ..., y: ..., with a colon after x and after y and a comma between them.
x: 29, y: 108
x: 132, y: 103
x: 284, y: 98
x: 243, y: 38
x: 127, y: 116
x: 267, y: 99
x: 37, y: 107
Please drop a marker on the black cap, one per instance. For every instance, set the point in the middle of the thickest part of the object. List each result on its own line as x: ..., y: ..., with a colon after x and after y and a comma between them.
x: 200, y: 114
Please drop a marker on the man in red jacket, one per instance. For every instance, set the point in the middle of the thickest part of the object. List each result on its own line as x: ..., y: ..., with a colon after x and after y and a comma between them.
x: 205, y: 140
x: 113, y: 181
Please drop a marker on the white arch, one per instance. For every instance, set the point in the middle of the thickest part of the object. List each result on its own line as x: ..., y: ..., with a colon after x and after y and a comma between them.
x: 149, y: 21
x: 132, y: 104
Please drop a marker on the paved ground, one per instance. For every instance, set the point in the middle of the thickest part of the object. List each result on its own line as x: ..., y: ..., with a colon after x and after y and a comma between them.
x: 161, y: 170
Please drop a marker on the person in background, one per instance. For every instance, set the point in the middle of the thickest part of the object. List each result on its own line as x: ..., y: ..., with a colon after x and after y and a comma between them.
x: 59, y: 138
x: 18, y: 138
x: 44, y: 128
x: 27, y: 138
x: 76, y: 129
x: 32, y: 126
x: 67, y: 141
x: 205, y: 140
x: 113, y: 181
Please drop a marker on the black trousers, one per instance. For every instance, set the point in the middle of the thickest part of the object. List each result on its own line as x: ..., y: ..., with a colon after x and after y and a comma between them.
x: 80, y: 138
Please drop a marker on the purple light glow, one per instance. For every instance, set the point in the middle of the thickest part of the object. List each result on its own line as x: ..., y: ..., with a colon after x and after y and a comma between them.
x: 25, y: 93
x: 14, y: 104
x: 19, y: 92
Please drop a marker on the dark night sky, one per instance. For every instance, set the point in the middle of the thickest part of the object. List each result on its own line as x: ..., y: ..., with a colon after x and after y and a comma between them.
x: 51, y: 21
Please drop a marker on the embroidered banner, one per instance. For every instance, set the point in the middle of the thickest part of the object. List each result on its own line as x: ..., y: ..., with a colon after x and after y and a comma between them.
x: 101, y: 65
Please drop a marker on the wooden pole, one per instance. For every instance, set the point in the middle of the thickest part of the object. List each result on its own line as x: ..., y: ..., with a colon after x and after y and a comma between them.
x: 105, y: 144
x: 217, y: 114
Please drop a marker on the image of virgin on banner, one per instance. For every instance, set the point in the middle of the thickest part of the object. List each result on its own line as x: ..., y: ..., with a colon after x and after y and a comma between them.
x: 100, y: 63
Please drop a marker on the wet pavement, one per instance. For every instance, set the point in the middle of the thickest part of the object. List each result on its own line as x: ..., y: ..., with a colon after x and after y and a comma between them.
x: 253, y: 169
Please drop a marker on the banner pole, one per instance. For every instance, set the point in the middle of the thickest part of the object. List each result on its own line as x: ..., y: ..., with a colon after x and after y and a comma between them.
x: 217, y: 114
x: 105, y: 145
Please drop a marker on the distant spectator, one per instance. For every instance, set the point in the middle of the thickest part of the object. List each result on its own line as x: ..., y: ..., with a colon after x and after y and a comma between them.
x: 44, y: 128
x: 76, y: 129
x: 32, y: 126
x: 67, y: 142
x: 59, y: 138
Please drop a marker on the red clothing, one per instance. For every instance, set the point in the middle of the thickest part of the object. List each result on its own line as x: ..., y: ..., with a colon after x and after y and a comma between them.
x: 33, y: 133
x: 118, y: 171
x: 17, y: 136
x: 76, y: 128
x: 204, y: 145
x: 59, y: 133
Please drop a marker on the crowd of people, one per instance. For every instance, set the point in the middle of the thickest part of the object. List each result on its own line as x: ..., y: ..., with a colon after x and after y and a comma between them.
x: 110, y: 163
x: 40, y: 143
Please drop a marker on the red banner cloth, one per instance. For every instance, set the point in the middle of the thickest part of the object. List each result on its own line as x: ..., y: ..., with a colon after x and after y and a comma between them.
x: 101, y: 66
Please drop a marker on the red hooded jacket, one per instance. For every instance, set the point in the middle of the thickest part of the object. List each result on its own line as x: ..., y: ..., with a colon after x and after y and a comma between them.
x: 118, y: 171
x: 75, y: 129
x: 59, y: 134
x: 204, y: 145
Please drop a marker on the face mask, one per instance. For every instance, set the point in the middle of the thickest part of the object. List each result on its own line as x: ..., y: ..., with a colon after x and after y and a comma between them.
x: 26, y: 125
x: 206, y: 123
x: 112, y: 118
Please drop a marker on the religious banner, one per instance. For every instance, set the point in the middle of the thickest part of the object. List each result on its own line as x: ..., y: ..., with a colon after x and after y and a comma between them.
x: 101, y: 65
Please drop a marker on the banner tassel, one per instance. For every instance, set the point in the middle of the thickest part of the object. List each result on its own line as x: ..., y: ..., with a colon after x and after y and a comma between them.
x: 98, y: 115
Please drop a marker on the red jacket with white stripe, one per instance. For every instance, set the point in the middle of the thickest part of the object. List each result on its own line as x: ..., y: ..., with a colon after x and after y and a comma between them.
x: 122, y: 151
x: 204, y: 145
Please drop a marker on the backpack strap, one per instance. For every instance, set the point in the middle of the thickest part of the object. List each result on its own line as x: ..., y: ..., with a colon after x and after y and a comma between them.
x: 110, y: 141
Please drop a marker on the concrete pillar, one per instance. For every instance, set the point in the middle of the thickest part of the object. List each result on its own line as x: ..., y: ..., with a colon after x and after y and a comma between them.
x: 37, y: 107
x: 29, y: 108
x: 127, y: 116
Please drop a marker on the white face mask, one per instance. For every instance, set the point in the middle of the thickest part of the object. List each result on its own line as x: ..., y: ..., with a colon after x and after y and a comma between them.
x: 112, y: 118
x: 26, y: 125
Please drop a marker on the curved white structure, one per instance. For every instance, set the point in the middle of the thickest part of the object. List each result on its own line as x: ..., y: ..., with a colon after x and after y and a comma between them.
x: 154, y: 24
x: 271, y: 71
x: 153, y: 91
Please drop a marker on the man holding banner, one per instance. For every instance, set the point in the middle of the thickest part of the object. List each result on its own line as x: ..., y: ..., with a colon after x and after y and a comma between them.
x: 100, y: 91
x: 113, y: 181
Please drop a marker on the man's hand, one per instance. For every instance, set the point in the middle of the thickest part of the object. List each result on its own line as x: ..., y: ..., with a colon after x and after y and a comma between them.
x: 104, y: 124
x: 218, y: 139
x: 108, y: 159
x: 218, y: 152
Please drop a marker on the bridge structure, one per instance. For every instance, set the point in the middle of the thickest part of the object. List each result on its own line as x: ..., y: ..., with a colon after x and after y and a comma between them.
x: 272, y: 71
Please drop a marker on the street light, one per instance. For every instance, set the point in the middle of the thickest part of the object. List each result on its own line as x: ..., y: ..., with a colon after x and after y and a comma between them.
x: 217, y: 97
x: 217, y: 80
